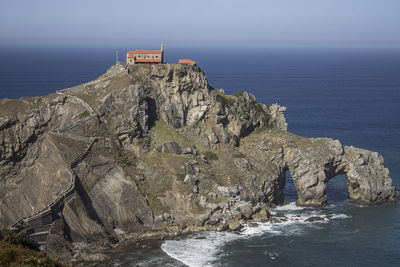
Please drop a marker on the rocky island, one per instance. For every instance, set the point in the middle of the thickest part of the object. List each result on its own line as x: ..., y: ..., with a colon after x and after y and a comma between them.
x: 154, y: 150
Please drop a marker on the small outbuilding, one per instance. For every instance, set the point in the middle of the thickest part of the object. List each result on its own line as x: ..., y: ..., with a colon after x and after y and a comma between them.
x: 187, y: 61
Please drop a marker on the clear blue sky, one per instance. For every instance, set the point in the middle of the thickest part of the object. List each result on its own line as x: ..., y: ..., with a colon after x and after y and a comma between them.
x: 202, y: 22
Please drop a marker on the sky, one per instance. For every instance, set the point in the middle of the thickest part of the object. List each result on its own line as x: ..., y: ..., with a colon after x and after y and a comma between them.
x: 202, y: 22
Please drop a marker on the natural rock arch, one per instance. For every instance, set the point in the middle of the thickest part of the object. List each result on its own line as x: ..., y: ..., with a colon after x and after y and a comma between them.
x: 290, y: 192
x: 312, y: 165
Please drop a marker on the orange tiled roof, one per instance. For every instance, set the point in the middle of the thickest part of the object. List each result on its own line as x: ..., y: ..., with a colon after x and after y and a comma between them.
x: 187, y: 61
x: 145, y: 52
x: 148, y: 60
x: 131, y: 55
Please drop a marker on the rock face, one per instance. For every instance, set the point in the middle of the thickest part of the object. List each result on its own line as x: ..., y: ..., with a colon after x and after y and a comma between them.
x: 312, y: 164
x: 173, y: 154
x: 368, y: 180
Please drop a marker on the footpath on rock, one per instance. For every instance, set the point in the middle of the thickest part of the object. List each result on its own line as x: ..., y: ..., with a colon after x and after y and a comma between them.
x: 37, y: 225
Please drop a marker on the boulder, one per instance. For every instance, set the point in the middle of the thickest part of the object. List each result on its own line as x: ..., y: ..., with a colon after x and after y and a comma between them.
x: 191, y: 179
x: 235, y: 225
x: 170, y: 147
x: 245, y: 209
x: 252, y: 224
x: 314, y: 219
x: 203, y: 201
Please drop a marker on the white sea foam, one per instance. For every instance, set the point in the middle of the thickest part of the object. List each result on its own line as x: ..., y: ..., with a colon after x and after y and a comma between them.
x: 290, y: 206
x: 204, y: 249
x: 340, y: 216
x: 199, y: 250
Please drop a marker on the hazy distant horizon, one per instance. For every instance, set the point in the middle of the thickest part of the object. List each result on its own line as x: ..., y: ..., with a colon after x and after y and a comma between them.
x: 287, y: 23
x: 141, y: 44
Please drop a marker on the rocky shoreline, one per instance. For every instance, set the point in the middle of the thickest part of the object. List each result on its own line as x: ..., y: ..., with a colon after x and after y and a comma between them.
x: 173, y: 155
x: 91, y: 255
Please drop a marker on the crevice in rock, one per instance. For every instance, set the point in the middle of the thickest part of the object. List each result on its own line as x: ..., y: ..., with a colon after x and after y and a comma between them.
x: 152, y: 111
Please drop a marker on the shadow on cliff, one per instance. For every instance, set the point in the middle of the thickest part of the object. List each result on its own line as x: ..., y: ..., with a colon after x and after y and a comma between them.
x: 87, y: 202
x: 152, y: 111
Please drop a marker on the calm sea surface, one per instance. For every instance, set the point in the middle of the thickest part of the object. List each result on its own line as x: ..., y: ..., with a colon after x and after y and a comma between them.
x: 350, y: 95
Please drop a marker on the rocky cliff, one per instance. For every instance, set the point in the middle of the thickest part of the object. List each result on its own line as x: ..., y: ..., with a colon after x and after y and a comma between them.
x: 173, y: 155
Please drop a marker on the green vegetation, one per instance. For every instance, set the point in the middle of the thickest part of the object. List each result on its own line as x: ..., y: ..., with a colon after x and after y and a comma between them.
x: 84, y: 114
x: 224, y: 100
x: 259, y: 107
x: 266, y: 117
x: 16, y: 239
x: 180, y: 176
x: 144, y: 142
x: 17, y: 255
x: 127, y: 158
x: 19, y: 250
x: 238, y: 94
x: 209, y: 155
x: 137, y: 79
x: 239, y: 155
x: 262, y: 129
x: 164, y: 132
x: 13, y: 106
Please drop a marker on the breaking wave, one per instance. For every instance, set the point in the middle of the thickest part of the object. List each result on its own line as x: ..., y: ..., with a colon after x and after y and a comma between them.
x: 206, y: 248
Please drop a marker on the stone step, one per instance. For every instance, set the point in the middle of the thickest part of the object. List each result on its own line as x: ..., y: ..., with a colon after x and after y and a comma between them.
x: 37, y: 229
x: 39, y: 237
x: 39, y: 233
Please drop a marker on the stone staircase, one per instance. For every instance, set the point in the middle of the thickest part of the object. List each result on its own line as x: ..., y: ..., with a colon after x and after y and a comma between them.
x: 37, y: 225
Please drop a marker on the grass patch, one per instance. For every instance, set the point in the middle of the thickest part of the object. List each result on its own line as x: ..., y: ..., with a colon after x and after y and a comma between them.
x: 263, y: 128
x: 144, y: 142
x: 137, y: 79
x: 238, y: 94
x: 13, y: 106
x: 239, y: 155
x: 19, y: 250
x: 16, y: 239
x: 180, y: 176
x: 17, y: 255
x: 165, y: 132
x: 84, y: 114
x: 127, y: 158
x: 209, y: 155
x: 225, y: 100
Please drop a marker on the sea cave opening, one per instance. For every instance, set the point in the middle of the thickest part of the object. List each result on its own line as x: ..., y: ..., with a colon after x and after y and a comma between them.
x: 336, y: 189
x: 289, y: 189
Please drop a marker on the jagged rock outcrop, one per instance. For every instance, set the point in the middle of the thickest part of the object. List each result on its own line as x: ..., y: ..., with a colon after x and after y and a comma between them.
x: 173, y: 155
x: 368, y: 180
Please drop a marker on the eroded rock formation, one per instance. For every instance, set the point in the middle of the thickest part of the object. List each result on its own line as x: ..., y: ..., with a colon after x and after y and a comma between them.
x: 173, y: 155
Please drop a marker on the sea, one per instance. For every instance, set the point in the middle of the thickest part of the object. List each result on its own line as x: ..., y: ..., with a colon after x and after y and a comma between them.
x: 349, y: 94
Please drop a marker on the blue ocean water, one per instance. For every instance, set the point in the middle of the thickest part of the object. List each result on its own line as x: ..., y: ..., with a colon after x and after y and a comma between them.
x: 350, y: 95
